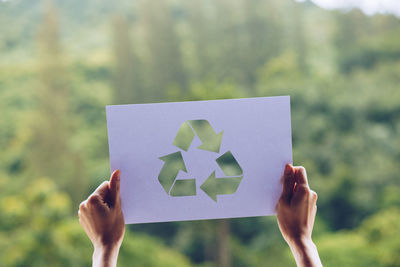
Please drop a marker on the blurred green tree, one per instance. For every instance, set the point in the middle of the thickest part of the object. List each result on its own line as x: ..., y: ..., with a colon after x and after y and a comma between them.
x: 36, y: 229
x: 165, y: 69
x: 128, y: 76
x: 375, y: 243
x: 49, y: 152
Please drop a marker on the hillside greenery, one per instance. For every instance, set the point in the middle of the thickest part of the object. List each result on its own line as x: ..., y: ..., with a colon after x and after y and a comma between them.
x: 61, y: 62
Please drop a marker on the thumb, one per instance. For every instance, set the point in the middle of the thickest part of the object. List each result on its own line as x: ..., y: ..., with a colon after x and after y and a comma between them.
x: 114, y: 187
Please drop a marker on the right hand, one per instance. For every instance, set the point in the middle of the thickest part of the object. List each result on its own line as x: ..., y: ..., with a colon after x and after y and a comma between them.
x: 297, y: 205
x: 296, y: 212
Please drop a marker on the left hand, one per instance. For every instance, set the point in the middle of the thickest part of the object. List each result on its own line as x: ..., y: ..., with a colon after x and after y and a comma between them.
x: 102, y: 219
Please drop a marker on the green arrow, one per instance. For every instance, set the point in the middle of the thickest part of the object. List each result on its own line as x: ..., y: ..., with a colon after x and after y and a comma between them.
x: 214, y: 186
x: 211, y: 141
x: 173, y: 163
x: 229, y: 164
x: 184, y: 137
x: 184, y: 187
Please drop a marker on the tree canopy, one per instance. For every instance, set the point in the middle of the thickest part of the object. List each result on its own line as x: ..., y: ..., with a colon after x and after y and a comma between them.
x: 61, y: 62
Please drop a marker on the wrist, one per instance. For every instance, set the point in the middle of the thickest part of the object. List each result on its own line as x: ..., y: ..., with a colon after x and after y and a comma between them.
x: 105, y: 255
x: 301, y: 243
x: 305, y: 252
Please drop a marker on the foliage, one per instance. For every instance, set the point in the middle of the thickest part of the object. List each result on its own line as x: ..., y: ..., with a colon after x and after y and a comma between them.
x: 37, y: 230
x: 374, y: 243
x: 63, y: 61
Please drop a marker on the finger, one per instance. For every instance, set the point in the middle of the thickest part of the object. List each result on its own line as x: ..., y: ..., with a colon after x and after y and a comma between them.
x: 300, y: 194
x: 288, y: 183
x: 300, y: 175
x: 97, y: 202
x: 82, y: 207
x: 114, y: 187
x: 103, y: 190
x: 313, y: 213
x: 314, y: 197
x: 94, y: 200
x: 86, y: 226
x: 81, y: 221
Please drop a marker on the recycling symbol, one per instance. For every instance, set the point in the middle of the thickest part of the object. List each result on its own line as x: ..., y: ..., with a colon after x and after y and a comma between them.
x: 211, y: 141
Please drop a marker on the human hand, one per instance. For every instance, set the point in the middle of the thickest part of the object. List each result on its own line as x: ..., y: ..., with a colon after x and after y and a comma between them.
x: 296, y: 212
x: 102, y: 219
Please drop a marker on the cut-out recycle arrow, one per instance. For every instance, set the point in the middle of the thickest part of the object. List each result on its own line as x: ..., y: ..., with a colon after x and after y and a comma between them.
x: 211, y: 141
x: 173, y: 163
x: 214, y: 186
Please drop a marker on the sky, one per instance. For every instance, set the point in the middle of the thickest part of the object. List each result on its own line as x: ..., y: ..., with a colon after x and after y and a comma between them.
x: 369, y: 7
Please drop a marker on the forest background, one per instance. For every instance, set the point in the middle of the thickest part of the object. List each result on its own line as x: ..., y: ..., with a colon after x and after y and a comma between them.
x: 61, y: 62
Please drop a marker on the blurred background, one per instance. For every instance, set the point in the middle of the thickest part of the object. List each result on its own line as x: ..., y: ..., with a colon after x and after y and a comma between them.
x: 61, y: 62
